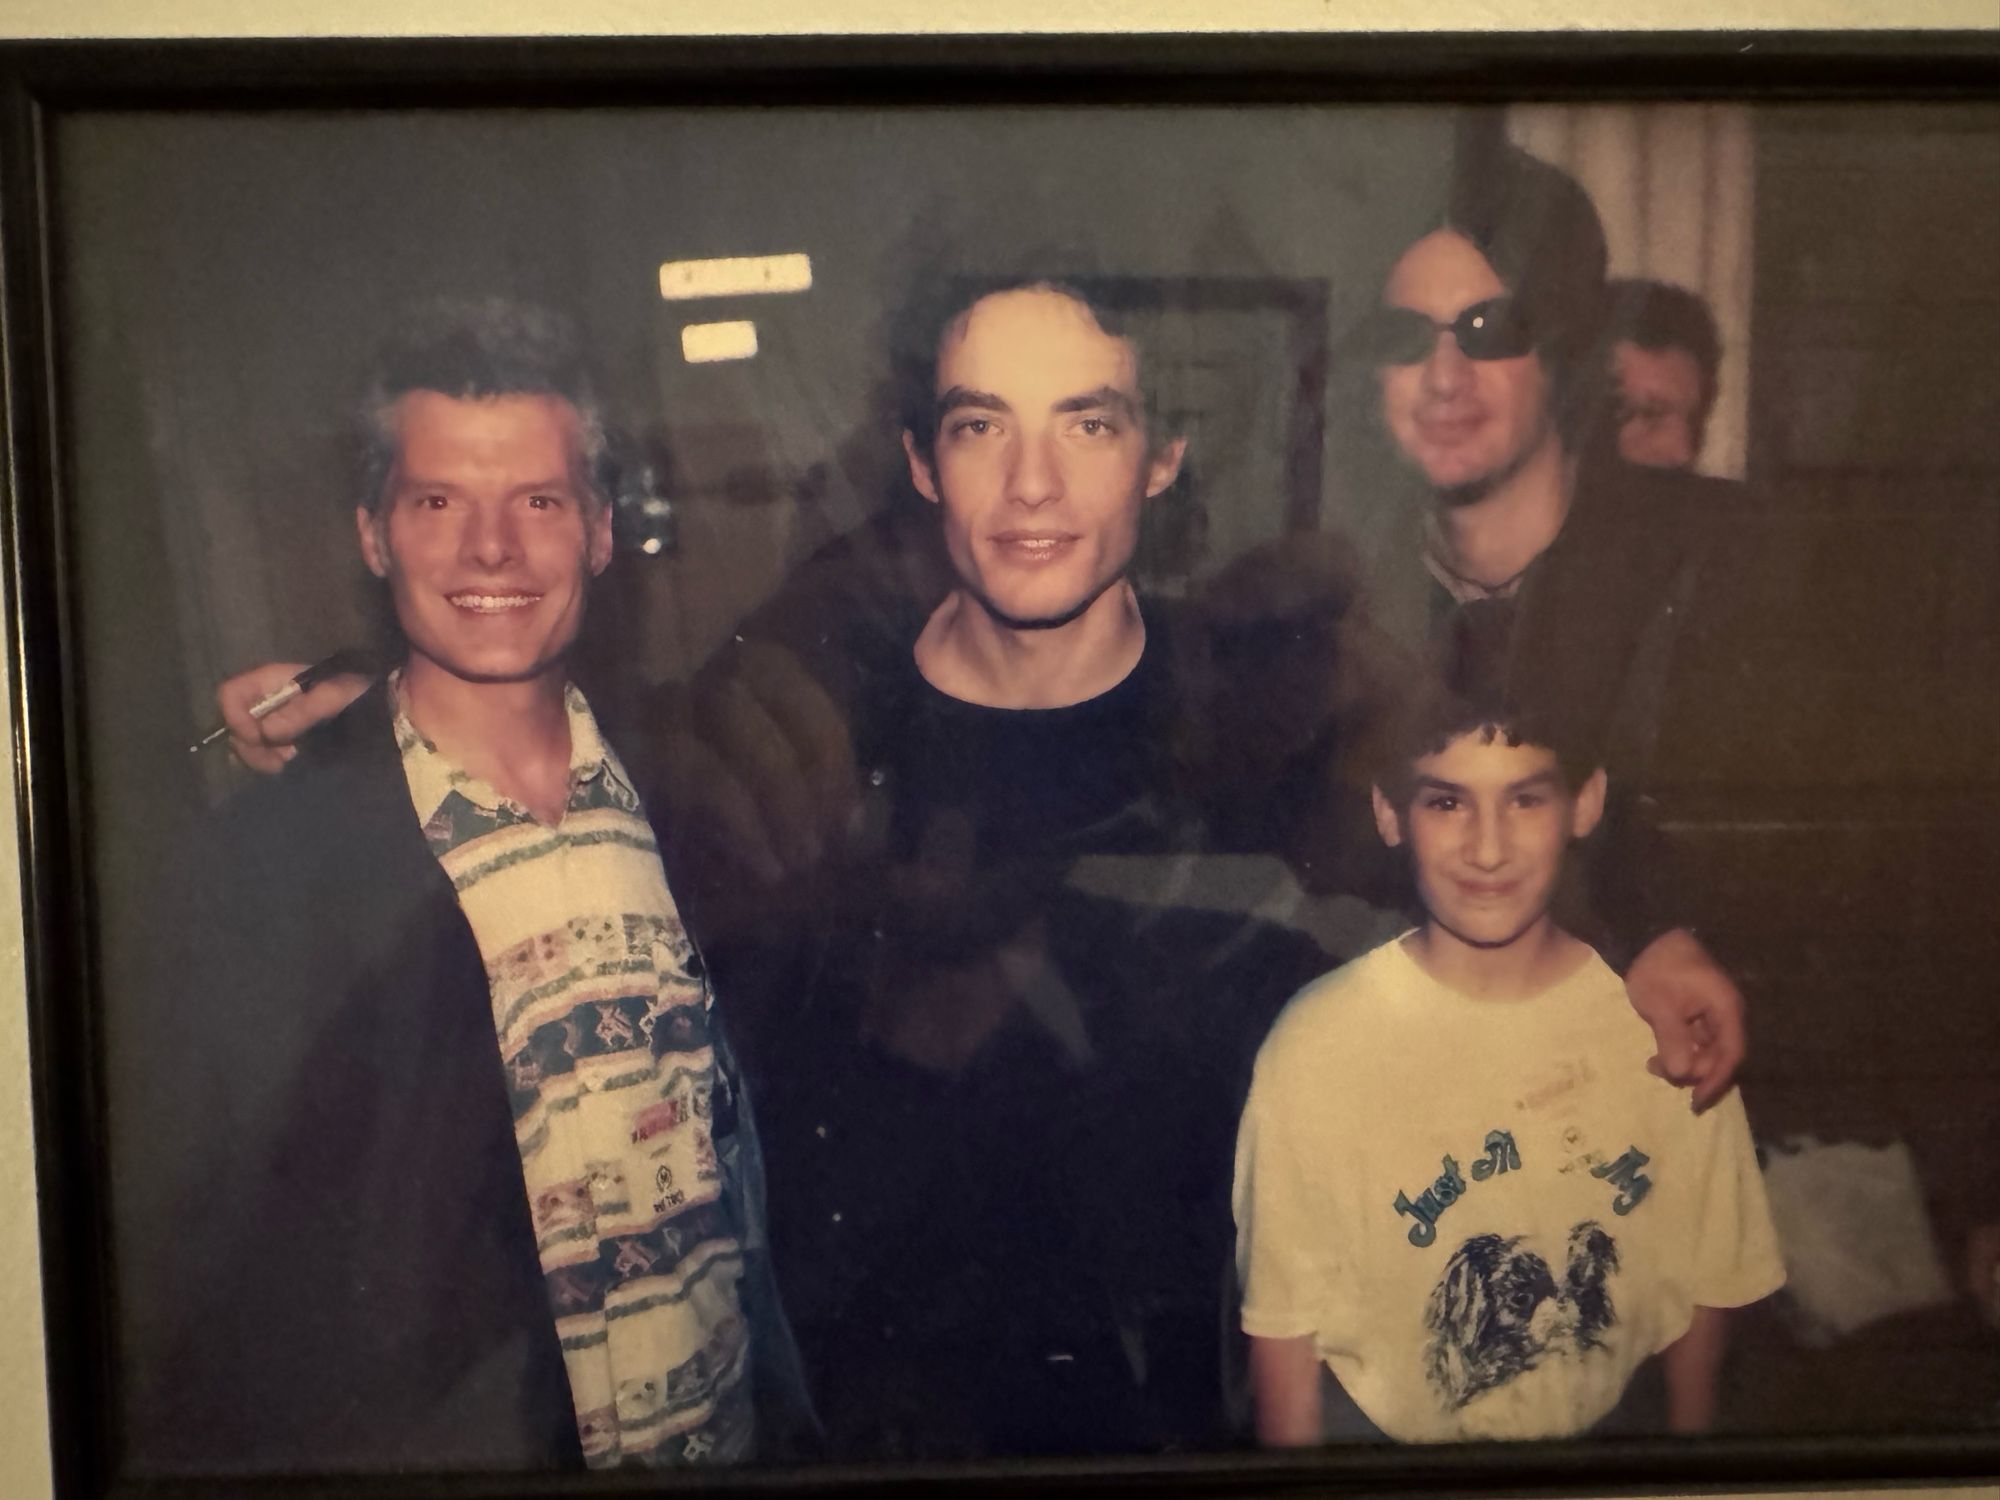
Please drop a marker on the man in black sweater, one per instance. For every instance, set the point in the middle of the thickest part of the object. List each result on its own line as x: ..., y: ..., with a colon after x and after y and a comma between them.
x: 1001, y: 1108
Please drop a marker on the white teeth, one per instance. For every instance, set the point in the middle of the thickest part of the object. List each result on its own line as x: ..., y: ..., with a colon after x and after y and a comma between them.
x: 493, y: 603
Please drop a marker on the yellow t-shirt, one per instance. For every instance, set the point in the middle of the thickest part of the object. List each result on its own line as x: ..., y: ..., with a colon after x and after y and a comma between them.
x: 1486, y: 1213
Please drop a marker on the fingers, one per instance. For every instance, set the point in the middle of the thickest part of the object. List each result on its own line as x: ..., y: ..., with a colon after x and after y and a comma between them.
x: 758, y: 752
x: 1696, y: 1057
x: 265, y: 744
x: 716, y: 807
x: 246, y: 734
x: 762, y: 760
x: 1696, y: 1012
x: 1719, y: 1052
x: 1677, y: 1056
x: 817, y: 732
x: 761, y: 765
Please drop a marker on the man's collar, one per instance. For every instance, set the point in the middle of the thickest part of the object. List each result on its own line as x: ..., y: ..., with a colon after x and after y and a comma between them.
x: 1438, y: 550
x: 1464, y: 590
x: 433, y: 777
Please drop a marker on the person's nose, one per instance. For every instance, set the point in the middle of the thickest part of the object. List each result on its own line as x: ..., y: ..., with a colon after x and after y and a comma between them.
x: 1447, y: 370
x: 1035, y: 477
x: 1486, y: 839
x: 491, y: 538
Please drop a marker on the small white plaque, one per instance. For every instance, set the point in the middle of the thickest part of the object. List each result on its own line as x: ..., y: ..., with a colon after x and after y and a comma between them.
x: 706, y: 343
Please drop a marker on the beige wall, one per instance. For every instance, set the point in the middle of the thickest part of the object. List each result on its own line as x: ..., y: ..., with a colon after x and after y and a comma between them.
x: 24, y: 1460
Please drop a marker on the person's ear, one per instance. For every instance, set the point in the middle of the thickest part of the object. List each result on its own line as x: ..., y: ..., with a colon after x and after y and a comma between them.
x: 1388, y: 822
x: 1165, y: 465
x: 920, y: 470
x: 374, y: 545
x: 599, y: 522
x: 1588, y: 808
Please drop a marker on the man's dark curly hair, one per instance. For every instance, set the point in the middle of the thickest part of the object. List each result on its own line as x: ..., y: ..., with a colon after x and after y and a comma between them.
x: 937, y: 302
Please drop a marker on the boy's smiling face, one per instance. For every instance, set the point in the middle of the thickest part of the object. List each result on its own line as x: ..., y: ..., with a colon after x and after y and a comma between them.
x: 1487, y: 825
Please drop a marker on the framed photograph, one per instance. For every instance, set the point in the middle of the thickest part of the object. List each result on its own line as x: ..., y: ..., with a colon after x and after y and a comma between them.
x: 1114, y: 644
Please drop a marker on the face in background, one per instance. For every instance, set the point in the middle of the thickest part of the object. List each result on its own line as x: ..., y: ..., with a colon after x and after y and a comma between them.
x: 1467, y: 424
x: 1487, y: 827
x: 1041, y: 459
x: 1659, y: 391
x: 487, y: 534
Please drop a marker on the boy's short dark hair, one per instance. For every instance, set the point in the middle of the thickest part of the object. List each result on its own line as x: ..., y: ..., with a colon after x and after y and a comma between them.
x: 1431, y: 718
x: 474, y: 349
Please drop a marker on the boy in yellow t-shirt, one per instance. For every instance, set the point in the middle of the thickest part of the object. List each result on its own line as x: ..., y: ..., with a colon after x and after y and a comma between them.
x: 1459, y: 1189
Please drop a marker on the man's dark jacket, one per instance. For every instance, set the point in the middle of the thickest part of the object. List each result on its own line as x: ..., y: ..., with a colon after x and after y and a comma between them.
x: 333, y: 1265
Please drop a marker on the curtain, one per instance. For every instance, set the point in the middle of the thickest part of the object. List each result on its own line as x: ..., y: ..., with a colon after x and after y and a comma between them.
x: 1675, y: 187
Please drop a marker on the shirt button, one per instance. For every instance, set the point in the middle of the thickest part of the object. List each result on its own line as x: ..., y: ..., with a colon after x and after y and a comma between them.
x: 877, y: 777
x: 836, y: 1217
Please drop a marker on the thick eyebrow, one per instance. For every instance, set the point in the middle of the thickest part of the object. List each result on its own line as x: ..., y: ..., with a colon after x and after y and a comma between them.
x: 1533, y: 783
x: 959, y: 397
x: 1104, y: 395
x: 1527, y: 783
x: 962, y: 396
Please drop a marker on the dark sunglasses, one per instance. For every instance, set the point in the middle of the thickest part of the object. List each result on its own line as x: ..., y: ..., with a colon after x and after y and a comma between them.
x: 1493, y: 329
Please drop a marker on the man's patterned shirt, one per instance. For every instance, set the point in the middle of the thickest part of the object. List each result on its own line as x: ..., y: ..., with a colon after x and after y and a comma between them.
x: 604, y: 1033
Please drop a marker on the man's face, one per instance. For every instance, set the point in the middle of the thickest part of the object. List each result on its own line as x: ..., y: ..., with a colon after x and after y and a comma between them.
x: 1659, y: 393
x: 1487, y: 828
x: 487, y: 533
x: 1467, y: 424
x: 1041, y: 459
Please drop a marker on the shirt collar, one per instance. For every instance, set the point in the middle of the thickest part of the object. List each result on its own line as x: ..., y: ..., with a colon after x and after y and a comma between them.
x: 433, y: 776
x: 1465, y: 590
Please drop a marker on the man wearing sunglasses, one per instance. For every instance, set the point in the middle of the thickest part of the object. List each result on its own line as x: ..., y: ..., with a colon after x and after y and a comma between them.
x: 1542, y: 555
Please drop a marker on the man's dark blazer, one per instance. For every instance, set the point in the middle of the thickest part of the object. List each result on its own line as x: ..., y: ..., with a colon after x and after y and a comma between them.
x: 325, y: 1249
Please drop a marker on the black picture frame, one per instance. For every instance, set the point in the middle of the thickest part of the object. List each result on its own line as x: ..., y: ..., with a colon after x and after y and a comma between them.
x: 42, y: 84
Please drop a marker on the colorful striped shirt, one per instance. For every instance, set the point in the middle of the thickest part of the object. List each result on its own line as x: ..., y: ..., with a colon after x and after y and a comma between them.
x: 602, y: 1019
